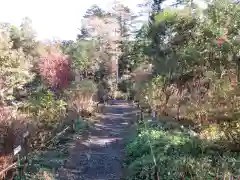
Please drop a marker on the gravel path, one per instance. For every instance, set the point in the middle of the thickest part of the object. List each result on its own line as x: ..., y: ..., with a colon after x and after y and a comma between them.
x: 99, y: 157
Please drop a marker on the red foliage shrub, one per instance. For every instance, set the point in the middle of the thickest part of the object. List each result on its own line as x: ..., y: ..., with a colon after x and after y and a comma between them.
x: 55, y: 70
x: 220, y: 41
x: 114, y: 67
x: 233, y: 81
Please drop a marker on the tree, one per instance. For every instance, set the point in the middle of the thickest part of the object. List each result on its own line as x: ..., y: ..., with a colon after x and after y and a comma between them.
x: 125, y: 18
x: 94, y: 10
x: 100, y: 30
x: 24, y: 37
x: 15, y: 65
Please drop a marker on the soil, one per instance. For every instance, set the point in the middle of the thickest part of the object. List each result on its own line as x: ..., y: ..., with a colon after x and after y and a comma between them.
x: 99, y: 156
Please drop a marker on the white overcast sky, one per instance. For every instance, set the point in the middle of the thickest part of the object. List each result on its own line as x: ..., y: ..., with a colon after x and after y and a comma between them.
x: 53, y: 18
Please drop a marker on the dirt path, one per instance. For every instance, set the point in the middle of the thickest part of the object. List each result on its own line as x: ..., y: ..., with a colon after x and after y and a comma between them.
x: 99, y: 157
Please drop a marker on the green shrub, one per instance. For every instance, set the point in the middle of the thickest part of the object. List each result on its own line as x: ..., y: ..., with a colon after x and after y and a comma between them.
x: 45, y: 108
x: 46, y: 113
x: 125, y: 85
x: 178, y: 156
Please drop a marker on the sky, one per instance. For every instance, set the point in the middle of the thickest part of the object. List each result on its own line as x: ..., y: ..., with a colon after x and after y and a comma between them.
x: 52, y: 18
x: 59, y: 19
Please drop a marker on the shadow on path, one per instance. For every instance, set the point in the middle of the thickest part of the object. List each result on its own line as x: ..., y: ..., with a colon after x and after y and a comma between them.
x: 98, y: 157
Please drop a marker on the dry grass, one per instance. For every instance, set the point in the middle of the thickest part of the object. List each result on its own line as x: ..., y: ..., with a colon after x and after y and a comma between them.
x: 7, y: 138
x: 82, y: 96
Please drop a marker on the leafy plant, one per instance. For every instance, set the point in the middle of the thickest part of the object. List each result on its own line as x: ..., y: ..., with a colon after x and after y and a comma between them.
x: 178, y: 156
x: 55, y: 70
x: 45, y: 108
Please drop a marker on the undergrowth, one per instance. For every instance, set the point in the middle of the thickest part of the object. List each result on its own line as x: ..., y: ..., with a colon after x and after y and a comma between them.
x: 45, y: 164
x: 178, y: 154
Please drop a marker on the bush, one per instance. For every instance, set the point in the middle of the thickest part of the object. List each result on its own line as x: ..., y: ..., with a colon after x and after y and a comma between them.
x: 55, y: 70
x: 215, y: 107
x: 149, y: 93
x: 7, y: 137
x: 178, y: 156
x: 218, y: 113
x: 102, y: 91
x: 121, y: 95
x: 125, y: 85
x: 46, y: 108
x: 47, y: 113
x: 82, y: 96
